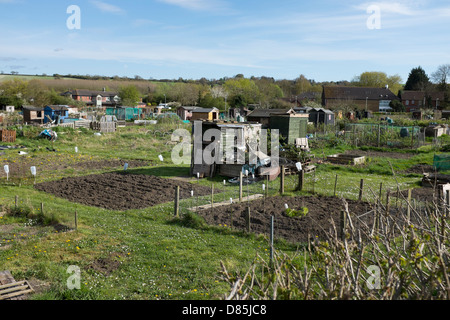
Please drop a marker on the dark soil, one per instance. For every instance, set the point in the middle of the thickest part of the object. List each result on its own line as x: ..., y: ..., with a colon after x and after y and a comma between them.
x: 120, y: 191
x: 420, y: 169
x: 317, y: 223
x: 105, y: 266
x: 420, y: 194
x: 22, y: 168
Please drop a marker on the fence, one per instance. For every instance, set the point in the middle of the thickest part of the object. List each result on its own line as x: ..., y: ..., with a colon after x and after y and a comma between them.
x: 383, y: 135
x: 104, y: 127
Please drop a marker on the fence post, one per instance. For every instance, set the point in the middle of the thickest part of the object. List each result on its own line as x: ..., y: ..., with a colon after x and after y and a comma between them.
x: 301, y: 179
x: 378, y: 136
x: 282, y: 180
x: 408, y: 212
x: 335, y: 185
x: 177, y: 202
x: 241, y: 175
x: 343, y: 224
x: 361, y: 189
x: 247, y: 220
x: 212, y: 197
x: 76, y: 220
x: 271, y: 240
x: 42, y: 208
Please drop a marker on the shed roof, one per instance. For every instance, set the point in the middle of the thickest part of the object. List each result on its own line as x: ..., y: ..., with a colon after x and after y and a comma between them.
x: 32, y: 108
x: 204, y: 110
x: 266, y: 113
x: 58, y: 108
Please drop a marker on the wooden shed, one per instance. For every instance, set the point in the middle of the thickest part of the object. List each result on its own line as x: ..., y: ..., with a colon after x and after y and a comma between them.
x: 209, y: 114
x: 291, y: 125
x: 33, y: 114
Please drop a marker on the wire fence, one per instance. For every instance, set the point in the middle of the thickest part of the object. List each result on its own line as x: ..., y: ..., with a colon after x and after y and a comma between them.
x: 366, y: 188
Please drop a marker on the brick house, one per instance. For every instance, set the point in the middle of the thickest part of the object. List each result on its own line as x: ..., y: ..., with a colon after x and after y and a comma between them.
x: 370, y: 99
x: 416, y: 100
x: 94, y: 98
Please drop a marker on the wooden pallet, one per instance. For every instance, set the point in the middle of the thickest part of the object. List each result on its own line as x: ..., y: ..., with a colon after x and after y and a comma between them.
x: 7, y: 135
x: 11, y: 289
x: 15, y: 289
x: 309, y: 169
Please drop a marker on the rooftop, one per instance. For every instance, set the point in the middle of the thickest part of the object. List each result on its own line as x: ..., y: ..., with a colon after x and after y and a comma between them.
x: 358, y: 93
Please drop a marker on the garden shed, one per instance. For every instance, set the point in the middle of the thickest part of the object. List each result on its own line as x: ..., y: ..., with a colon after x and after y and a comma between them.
x: 321, y: 116
x: 33, y: 114
x: 55, y: 113
x: 291, y: 125
x: 210, y: 114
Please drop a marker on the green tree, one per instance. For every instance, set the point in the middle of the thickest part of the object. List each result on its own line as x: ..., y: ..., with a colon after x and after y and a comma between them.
x: 417, y: 80
x: 12, y: 92
x: 129, y: 95
x: 379, y: 80
x: 208, y: 101
x: 241, y: 91
x: 397, y: 106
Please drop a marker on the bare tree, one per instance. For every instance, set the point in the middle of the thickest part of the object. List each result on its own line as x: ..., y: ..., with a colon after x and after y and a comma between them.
x: 441, y: 76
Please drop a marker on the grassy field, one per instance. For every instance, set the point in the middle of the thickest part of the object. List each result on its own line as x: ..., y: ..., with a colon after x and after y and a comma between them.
x: 141, y: 254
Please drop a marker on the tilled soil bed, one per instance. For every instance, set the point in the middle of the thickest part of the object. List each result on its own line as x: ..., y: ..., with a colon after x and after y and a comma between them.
x: 120, y: 191
x: 317, y: 223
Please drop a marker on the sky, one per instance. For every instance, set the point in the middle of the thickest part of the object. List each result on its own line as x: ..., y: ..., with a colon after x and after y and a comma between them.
x: 325, y: 40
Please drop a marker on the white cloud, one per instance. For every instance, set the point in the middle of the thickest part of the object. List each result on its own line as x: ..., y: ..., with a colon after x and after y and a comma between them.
x: 401, y: 7
x: 108, y: 8
x: 199, y: 5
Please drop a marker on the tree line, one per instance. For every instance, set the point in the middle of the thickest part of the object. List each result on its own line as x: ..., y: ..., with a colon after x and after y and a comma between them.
x: 237, y: 91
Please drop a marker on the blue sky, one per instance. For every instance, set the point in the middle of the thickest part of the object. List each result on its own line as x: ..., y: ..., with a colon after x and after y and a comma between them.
x: 326, y: 40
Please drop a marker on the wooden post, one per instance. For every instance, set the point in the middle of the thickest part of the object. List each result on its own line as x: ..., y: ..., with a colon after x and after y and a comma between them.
x: 343, y: 224
x: 212, y: 197
x: 282, y: 180
x: 42, y: 208
x: 361, y: 189
x: 177, y: 202
x: 379, y: 134
x: 241, y: 176
x: 247, y: 220
x: 271, y: 240
x: 314, y: 182
x: 301, y: 179
x: 388, y: 200
x: 231, y: 215
x: 408, y: 212
x: 335, y: 185
x: 76, y: 220
x: 381, y: 190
